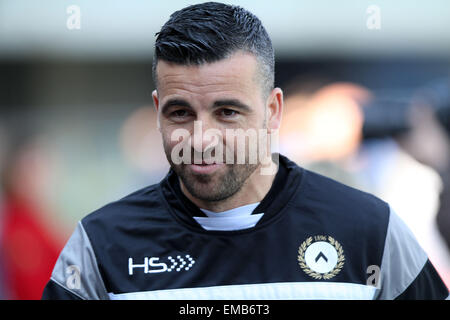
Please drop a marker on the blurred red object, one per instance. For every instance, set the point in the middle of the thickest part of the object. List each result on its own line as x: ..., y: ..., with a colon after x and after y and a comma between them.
x: 30, y: 251
x: 30, y: 233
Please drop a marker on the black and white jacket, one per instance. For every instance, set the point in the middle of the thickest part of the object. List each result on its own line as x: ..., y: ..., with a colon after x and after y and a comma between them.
x: 317, y: 239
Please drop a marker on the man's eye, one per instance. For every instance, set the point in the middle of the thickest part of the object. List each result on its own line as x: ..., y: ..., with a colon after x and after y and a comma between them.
x: 180, y: 113
x: 228, y: 112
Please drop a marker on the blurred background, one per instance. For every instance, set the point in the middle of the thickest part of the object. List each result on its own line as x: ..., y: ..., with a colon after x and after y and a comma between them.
x: 367, y: 99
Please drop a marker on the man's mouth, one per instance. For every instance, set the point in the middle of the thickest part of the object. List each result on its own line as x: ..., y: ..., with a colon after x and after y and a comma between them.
x: 205, y: 167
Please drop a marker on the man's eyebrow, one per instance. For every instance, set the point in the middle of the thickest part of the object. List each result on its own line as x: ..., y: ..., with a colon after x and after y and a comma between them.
x: 232, y: 103
x: 174, y: 102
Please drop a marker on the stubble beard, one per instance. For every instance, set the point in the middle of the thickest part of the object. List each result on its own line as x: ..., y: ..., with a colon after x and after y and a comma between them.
x: 218, y: 186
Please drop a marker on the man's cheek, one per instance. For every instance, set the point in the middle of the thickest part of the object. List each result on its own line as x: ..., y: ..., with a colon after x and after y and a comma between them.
x: 178, y: 146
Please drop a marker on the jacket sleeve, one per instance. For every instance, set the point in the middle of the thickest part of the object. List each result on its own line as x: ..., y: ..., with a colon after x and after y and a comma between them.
x: 76, y: 275
x: 406, y: 273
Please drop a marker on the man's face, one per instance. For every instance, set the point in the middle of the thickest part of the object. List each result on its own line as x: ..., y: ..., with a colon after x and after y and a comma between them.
x: 224, y: 95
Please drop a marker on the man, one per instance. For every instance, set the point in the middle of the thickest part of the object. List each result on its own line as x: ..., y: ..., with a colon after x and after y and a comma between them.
x: 223, y: 225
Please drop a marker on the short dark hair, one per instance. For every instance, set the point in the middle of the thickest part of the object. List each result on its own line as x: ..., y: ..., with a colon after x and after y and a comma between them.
x: 212, y: 31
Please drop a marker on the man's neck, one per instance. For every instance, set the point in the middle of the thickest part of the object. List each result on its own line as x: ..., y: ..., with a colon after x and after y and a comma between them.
x: 253, y: 190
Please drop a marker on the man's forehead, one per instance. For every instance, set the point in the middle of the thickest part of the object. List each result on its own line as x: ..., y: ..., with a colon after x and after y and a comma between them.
x: 237, y: 70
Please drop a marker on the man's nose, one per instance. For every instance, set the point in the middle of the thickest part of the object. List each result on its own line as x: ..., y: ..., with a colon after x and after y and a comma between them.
x: 205, y: 134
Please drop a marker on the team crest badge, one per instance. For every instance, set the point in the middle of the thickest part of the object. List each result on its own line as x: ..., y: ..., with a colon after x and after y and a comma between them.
x: 321, y: 257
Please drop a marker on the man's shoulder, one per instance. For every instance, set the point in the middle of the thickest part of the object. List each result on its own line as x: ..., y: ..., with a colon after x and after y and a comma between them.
x: 342, y: 204
x: 320, y: 187
x: 137, y: 205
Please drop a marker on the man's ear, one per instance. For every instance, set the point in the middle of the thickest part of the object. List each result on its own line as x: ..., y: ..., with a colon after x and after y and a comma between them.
x: 275, y: 109
x: 156, y: 104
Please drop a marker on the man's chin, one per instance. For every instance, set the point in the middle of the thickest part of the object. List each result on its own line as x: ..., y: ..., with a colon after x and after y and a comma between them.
x: 215, y: 182
x: 205, y: 186
x: 204, y: 189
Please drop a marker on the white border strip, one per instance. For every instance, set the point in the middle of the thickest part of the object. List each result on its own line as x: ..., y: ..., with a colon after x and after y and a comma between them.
x: 263, y: 291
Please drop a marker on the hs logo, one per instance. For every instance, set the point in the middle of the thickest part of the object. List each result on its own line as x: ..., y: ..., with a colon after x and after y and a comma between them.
x: 152, y: 264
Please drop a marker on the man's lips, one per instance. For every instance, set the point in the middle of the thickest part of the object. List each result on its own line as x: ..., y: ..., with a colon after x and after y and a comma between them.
x: 205, y: 168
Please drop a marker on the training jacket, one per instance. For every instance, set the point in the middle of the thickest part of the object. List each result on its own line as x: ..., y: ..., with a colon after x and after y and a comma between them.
x: 317, y: 239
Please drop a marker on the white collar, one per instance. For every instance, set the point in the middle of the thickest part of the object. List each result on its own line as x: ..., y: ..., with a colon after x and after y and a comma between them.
x: 234, y: 219
x: 245, y: 210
